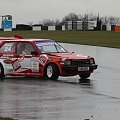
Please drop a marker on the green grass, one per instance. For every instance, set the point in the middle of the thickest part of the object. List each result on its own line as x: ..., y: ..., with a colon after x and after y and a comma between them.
x: 5, y: 118
x: 96, y: 38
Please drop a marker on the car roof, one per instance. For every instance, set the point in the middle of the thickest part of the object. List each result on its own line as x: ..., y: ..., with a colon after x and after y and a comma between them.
x: 11, y: 38
x: 7, y: 38
x: 24, y: 40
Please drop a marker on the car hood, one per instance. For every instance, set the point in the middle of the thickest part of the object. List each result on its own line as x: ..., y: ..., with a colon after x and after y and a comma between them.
x: 68, y: 55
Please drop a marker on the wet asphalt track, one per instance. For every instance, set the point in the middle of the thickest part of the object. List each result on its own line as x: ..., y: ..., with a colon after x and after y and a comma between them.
x: 66, y: 99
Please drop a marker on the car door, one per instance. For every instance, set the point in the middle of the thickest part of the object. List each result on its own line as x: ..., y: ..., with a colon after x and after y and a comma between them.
x: 22, y: 65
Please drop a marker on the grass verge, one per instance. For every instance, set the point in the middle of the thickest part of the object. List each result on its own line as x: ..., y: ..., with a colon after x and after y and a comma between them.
x: 5, y: 118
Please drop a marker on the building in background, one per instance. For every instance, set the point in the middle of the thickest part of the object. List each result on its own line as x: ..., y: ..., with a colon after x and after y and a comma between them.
x: 23, y: 27
x: 80, y: 25
x: 37, y: 27
x: 77, y: 25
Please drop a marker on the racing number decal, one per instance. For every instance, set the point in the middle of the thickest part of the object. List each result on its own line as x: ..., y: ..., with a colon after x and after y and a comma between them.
x: 16, y: 63
x: 43, y: 59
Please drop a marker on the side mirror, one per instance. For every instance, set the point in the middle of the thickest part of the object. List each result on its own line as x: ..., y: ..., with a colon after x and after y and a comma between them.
x: 34, y: 53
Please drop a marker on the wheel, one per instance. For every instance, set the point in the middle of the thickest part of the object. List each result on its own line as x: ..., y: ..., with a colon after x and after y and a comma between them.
x: 52, y: 72
x: 1, y: 72
x: 84, y: 76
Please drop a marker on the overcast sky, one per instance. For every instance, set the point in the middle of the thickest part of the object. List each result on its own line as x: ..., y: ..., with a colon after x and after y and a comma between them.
x: 25, y: 11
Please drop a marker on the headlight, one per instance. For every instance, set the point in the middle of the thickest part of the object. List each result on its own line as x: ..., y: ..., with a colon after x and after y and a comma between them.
x: 68, y: 62
x: 65, y: 61
x: 92, y: 61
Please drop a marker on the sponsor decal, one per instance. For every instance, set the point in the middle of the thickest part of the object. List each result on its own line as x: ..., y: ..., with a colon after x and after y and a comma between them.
x: 35, y: 66
x: 45, y: 43
x: 3, y: 57
x: 83, y: 56
x: 16, y: 63
x: 21, y: 59
x: 43, y: 59
x: 10, y: 70
x: 8, y: 61
x: 7, y: 55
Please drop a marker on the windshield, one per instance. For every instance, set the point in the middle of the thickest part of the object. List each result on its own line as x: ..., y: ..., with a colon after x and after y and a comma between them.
x: 49, y: 47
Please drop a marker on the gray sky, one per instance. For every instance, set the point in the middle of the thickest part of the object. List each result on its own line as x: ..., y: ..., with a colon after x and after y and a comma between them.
x: 25, y: 11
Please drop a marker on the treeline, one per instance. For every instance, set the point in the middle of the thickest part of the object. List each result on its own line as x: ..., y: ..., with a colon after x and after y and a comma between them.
x: 85, y: 17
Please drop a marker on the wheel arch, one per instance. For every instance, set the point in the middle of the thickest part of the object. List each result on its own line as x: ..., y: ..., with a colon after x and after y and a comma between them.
x: 3, y: 72
x: 1, y: 64
x: 53, y: 64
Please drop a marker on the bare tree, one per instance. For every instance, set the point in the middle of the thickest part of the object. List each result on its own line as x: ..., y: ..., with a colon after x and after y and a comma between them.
x: 48, y: 22
x: 110, y: 20
x: 87, y: 16
x: 57, y: 22
x: 30, y: 23
x: 104, y: 20
x: 71, y: 17
x: 82, y: 17
x: 114, y: 20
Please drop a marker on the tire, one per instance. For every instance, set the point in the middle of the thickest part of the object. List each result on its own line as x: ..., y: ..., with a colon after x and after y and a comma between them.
x: 51, y: 72
x: 85, y: 76
x: 1, y: 72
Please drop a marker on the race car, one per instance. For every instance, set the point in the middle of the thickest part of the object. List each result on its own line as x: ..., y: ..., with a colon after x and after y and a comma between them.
x: 42, y: 57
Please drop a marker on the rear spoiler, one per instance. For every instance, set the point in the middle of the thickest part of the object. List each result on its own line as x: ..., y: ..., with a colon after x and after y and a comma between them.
x: 17, y: 36
x: 11, y: 38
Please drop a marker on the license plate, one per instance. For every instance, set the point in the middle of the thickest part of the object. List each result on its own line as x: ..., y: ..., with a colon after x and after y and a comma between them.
x: 83, y: 68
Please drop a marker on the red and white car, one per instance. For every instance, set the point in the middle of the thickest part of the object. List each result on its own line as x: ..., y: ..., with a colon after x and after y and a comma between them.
x: 41, y: 57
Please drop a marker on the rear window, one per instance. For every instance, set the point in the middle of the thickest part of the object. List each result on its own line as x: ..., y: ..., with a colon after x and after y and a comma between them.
x: 8, y: 47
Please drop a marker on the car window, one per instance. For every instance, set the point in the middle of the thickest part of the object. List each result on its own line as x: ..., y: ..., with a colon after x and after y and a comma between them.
x: 60, y: 48
x: 49, y: 47
x: 8, y: 47
x: 25, y: 48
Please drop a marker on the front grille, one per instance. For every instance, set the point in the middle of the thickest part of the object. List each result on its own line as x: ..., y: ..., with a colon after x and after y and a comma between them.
x: 81, y: 62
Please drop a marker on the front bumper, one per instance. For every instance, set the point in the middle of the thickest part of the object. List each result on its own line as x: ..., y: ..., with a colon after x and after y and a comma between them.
x: 73, y: 70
